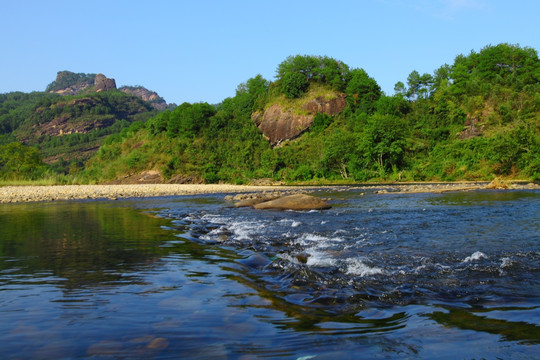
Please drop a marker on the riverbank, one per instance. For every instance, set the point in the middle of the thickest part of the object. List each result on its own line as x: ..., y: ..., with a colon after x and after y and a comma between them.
x: 14, y: 194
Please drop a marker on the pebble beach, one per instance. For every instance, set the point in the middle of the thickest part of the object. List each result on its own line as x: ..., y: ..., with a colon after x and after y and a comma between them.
x: 16, y: 194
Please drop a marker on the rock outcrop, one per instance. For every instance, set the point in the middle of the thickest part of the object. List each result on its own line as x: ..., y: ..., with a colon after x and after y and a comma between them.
x: 147, y: 95
x: 278, y: 124
x: 70, y: 83
x: 103, y: 83
x: 330, y: 107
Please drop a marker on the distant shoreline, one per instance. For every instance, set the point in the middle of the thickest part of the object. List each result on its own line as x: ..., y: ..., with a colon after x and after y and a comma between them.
x: 31, y: 193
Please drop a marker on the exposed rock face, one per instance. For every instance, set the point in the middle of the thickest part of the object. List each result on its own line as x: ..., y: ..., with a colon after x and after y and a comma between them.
x: 70, y: 83
x: 150, y: 96
x: 278, y: 124
x: 329, y: 107
x: 103, y: 83
x: 62, y: 126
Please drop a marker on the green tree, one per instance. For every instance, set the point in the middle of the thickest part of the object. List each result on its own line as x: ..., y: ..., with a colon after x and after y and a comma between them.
x: 251, y: 95
x: 187, y: 119
x: 419, y: 85
x: 294, y: 85
x: 18, y: 160
x: 320, y: 69
x: 362, y: 91
x: 340, y: 151
x: 383, y: 141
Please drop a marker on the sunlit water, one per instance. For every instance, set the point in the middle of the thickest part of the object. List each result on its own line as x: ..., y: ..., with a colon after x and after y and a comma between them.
x: 422, y: 276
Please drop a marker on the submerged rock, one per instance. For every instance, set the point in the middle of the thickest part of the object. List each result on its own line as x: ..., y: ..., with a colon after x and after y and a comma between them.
x: 294, y: 202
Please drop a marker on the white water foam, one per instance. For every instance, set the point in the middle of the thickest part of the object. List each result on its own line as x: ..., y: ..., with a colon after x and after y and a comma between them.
x: 241, y: 230
x: 319, y: 258
x: 291, y: 223
x: 477, y: 255
x: 321, y: 241
x: 358, y: 267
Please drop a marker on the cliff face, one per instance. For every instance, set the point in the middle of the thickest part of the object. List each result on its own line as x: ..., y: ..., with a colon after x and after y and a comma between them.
x: 278, y: 124
x: 150, y: 96
x: 103, y: 83
x: 70, y: 83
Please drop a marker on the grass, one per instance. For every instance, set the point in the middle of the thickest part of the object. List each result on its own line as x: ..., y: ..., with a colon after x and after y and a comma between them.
x: 296, y: 106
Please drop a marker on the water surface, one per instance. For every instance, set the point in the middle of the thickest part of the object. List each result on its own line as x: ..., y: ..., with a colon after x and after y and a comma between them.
x: 422, y: 276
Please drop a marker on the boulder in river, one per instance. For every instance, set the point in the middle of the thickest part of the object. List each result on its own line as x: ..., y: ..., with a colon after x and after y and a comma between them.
x: 294, y: 202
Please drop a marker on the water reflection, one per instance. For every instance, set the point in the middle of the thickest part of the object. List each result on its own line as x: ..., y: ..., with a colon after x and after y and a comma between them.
x: 73, y: 245
x: 467, y: 319
x: 110, y: 280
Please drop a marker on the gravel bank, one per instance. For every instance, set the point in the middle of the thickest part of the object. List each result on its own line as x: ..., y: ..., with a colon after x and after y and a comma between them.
x: 10, y: 194
x: 13, y: 194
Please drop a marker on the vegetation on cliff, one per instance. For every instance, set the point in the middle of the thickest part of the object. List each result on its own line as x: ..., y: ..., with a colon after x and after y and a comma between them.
x: 66, y: 130
x: 70, y: 80
x: 475, y: 119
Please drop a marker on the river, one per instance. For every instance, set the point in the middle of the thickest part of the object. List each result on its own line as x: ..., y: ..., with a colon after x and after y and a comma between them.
x: 378, y: 276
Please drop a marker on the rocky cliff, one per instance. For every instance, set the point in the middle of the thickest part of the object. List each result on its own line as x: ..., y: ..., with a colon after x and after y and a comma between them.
x: 103, y: 83
x: 147, y: 95
x: 70, y: 83
x: 278, y: 124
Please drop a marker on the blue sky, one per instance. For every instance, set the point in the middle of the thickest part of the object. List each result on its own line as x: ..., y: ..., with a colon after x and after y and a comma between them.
x: 201, y: 50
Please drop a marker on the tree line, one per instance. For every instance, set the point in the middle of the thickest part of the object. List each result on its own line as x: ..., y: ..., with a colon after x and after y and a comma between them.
x: 471, y: 120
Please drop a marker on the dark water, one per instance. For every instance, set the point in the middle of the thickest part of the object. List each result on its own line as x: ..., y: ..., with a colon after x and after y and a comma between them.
x: 451, y: 276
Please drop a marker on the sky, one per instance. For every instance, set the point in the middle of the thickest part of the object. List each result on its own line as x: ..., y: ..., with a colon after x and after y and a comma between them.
x: 201, y: 50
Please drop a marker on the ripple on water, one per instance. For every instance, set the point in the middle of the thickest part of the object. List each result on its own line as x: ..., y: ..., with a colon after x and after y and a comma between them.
x: 419, y: 248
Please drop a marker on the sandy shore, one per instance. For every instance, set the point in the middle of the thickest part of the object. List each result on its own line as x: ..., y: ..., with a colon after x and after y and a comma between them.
x: 14, y: 194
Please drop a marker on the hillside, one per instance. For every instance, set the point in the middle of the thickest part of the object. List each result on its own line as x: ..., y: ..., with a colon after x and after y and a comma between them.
x: 70, y: 128
x: 476, y: 119
x: 65, y: 125
x: 320, y: 120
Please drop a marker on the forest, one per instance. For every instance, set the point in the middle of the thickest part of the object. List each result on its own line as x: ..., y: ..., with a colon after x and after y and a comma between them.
x: 475, y: 119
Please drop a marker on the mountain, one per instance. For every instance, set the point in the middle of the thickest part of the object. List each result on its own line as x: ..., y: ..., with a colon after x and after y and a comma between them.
x: 69, y: 83
x: 70, y: 120
x: 68, y: 123
x: 70, y: 128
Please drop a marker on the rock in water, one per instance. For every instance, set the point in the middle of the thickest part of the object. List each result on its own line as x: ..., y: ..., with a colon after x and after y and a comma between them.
x: 294, y: 202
